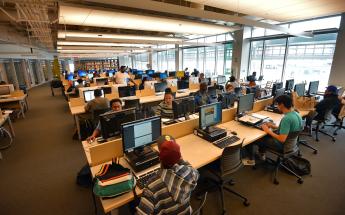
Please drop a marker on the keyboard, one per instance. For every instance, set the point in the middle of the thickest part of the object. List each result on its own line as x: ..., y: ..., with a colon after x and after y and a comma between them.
x: 144, y: 179
x: 258, y: 126
x: 226, y: 141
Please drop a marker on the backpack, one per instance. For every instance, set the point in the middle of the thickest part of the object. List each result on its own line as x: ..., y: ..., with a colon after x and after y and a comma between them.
x: 300, y: 166
x: 84, y: 177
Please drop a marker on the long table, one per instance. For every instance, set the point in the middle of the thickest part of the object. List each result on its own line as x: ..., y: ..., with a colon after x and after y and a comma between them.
x: 17, y: 102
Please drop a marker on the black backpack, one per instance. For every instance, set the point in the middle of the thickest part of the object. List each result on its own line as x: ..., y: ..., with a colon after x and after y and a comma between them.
x: 300, y: 166
x: 84, y: 177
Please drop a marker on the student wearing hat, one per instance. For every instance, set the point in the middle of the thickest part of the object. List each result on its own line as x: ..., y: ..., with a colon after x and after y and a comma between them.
x: 170, y: 191
x: 164, y: 109
x: 330, y: 101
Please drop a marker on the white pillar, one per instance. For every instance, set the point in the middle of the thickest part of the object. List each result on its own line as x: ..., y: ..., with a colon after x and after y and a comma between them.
x: 12, y: 76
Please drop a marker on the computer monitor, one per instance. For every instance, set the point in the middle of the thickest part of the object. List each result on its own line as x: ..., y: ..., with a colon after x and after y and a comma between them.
x: 156, y: 75
x: 138, y: 76
x: 255, y: 90
x: 106, y: 90
x: 160, y: 87
x: 101, y: 81
x: 245, y: 103
x: 163, y: 76
x: 150, y: 72
x: 126, y: 91
x: 313, y: 87
x: 250, y: 78
x: 172, y: 82
x: 141, y: 133
x: 172, y: 74
x: 238, y: 91
x: 89, y: 95
x: 140, y: 72
x: 276, y: 86
x: 90, y: 75
x: 180, y: 74
x: 75, y: 83
x: 182, y: 84
x: 300, y: 89
x: 194, y: 80
x: 111, y: 122
x: 212, y: 91
x: 81, y: 73
x: 227, y: 100
x: 210, y: 115
x: 134, y: 71
x: 289, y: 84
x: 209, y: 81
x: 70, y: 77
x: 261, y: 77
x: 221, y: 79
x: 183, y: 107
x: 110, y: 74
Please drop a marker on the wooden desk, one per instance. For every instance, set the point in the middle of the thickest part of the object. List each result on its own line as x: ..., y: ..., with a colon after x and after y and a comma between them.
x: 16, y: 102
x: 5, y: 118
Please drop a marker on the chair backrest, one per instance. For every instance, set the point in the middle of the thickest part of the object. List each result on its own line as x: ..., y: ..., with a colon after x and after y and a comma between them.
x: 132, y: 103
x: 231, y: 160
x: 202, y: 203
x: 291, y: 143
x: 96, y: 113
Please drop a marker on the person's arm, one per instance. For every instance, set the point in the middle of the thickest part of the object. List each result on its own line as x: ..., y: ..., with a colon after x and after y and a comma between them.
x: 280, y: 137
x: 146, y: 205
x: 158, y: 110
x: 88, y: 106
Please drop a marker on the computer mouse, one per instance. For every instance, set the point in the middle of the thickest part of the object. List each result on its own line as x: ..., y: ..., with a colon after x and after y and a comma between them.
x: 233, y: 133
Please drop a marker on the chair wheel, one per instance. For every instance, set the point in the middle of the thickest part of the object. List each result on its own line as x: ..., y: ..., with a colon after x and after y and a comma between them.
x: 275, y: 181
x: 300, y: 181
x: 335, y: 133
x: 333, y: 139
x: 246, y: 203
x: 315, y: 152
x: 317, y: 140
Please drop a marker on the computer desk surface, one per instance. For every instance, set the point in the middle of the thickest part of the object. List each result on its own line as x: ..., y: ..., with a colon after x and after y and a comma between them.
x: 197, y: 151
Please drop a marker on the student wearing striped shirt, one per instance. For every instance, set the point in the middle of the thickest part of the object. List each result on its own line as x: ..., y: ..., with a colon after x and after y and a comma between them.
x: 170, y: 191
x: 164, y: 109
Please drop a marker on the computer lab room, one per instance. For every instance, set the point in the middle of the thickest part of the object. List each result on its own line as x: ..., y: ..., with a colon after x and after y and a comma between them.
x: 172, y: 107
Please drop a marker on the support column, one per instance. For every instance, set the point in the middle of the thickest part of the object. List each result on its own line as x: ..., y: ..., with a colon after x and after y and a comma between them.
x: 49, y: 70
x: 149, y: 60
x: 12, y: 76
x: 25, y: 73
x: 3, y: 74
x: 177, y: 57
x: 39, y: 72
x: 337, y: 76
x: 240, y: 54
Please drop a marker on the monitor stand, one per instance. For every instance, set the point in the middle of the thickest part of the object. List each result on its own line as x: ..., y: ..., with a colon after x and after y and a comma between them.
x: 211, y: 134
x: 142, y: 158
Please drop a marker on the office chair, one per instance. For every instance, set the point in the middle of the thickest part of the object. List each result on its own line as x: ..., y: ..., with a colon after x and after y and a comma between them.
x: 304, y: 142
x: 339, y: 123
x: 198, y: 211
x: 132, y: 103
x: 321, y: 122
x: 6, y: 138
x: 220, y: 172
x: 290, y: 149
x: 95, y: 115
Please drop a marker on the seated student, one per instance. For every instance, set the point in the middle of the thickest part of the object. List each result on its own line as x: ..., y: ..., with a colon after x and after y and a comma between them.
x: 76, y: 88
x: 121, y: 77
x: 201, y: 97
x: 164, y: 109
x: 97, y: 103
x: 116, y: 105
x: 195, y: 73
x: 202, y: 78
x: 330, y: 101
x: 142, y: 84
x: 291, y: 122
x: 233, y: 82
x: 161, y: 196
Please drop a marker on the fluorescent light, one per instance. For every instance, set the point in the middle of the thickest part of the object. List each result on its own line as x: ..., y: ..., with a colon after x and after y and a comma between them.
x: 90, y: 51
x: 70, y: 15
x: 71, y: 43
x: 74, y: 34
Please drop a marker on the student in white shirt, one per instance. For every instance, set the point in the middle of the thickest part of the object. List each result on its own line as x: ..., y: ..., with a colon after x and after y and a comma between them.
x: 121, y: 77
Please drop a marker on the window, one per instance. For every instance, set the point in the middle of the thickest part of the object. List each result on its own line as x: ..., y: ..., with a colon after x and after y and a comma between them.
x: 201, y: 59
x: 273, y: 59
x: 190, y: 58
x: 210, y: 61
x: 228, y: 59
x: 171, y: 59
x: 154, y: 61
x: 312, y: 64
x: 220, y: 60
x: 257, y: 48
x: 162, y: 61
x: 141, y: 61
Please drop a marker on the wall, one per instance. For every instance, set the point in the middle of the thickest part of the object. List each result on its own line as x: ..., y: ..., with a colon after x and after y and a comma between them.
x: 337, y: 76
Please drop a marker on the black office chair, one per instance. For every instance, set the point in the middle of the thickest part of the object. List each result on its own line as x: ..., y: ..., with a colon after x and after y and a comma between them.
x: 290, y: 149
x: 198, y: 211
x: 220, y: 172
x: 339, y: 115
x: 304, y: 142
x: 321, y: 122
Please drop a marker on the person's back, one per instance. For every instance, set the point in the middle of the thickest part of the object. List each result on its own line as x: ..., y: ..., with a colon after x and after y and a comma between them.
x: 328, y: 103
x: 201, y: 97
x: 97, y: 103
x: 291, y: 122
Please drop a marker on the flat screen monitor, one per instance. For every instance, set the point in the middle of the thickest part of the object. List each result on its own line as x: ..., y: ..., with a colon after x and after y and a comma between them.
x: 126, y: 91
x: 227, y: 99
x: 313, y: 87
x: 238, y: 91
x: 134, y: 71
x: 89, y: 95
x: 300, y: 89
x: 245, y: 103
x: 180, y: 74
x: 172, y: 82
x: 160, y: 87
x: 172, y: 74
x: 276, y: 86
x: 221, y: 79
x: 182, y: 84
x: 106, y: 90
x: 150, y: 72
x: 183, y: 107
x: 163, y: 76
x: 110, y: 74
x: 140, y: 72
x: 289, y: 84
x: 75, y: 83
x: 81, y: 73
x: 141, y: 133
x: 261, y: 77
x: 194, y: 80
x: 210, y: 115
x: 101, y: 81
x: 70, y: 77
x: 212, y: 91
x: 111, y: 122
x: 90, y: 75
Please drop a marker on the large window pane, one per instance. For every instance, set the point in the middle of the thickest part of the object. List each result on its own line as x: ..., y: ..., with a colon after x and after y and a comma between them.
x: 190, y: 58
x: 171, y: 59
x: 273, y: 59
x: 255, y: 57
x: 314, y: 63
x: 228, y: 59
x: 201, y: 59
x: 220, y: 60
x: 154, y: 61
x: 210, y: 61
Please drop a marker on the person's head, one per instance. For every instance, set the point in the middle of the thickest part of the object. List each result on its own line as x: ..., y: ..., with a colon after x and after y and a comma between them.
x: 97, y: 93
x: 331, y: 90
x: 169, y: 151
x: 232, y: 79
x: 80, y: 81
x: 284, y: 103
x: 116, y: 104
x: 168, y: 96
x: 229, y: 88
x: 186, y: 69
x: 202, y: 75
x: 203, y: 87
x: 254, y: 74
x: 122, y: 69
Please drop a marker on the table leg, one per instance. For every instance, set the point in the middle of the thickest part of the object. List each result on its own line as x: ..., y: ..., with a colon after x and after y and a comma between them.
x: 26, y: 104
x: 22, y: 108
x: 10, y: 125
x: 78, y: 125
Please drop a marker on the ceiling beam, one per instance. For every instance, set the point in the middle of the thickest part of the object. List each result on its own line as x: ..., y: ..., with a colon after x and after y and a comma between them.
x: 197, y: 13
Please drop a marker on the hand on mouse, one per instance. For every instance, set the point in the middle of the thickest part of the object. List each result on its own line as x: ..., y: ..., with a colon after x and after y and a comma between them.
x: 90, y: 139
